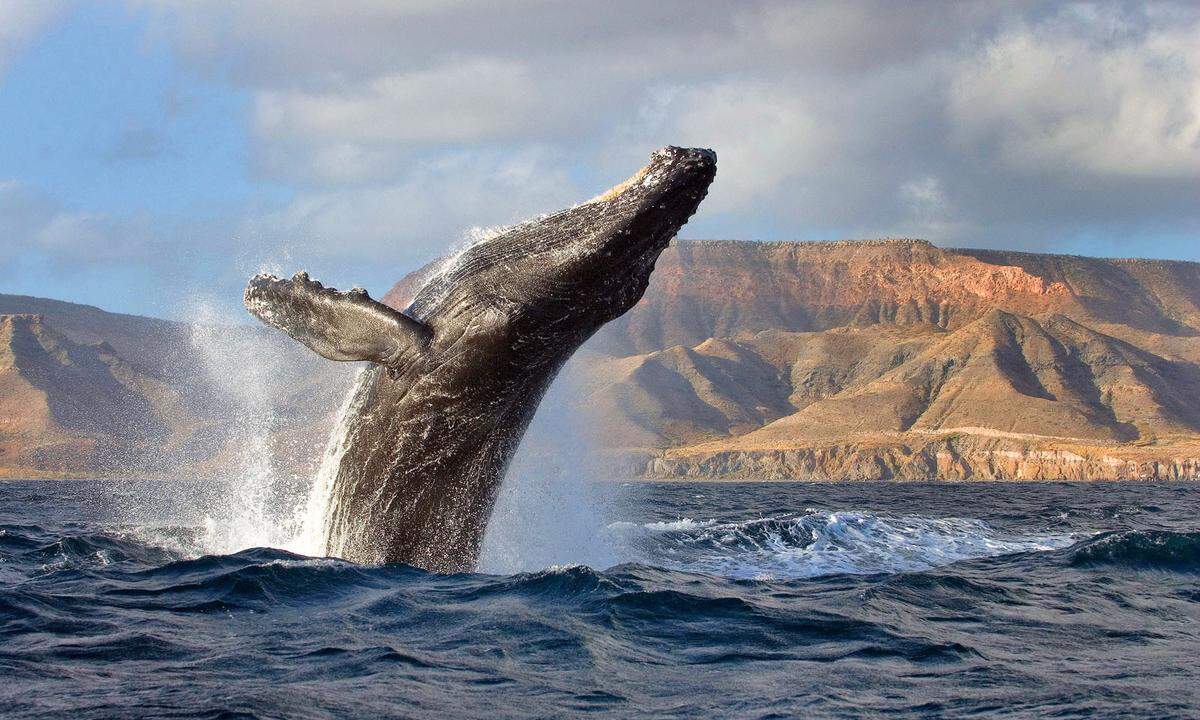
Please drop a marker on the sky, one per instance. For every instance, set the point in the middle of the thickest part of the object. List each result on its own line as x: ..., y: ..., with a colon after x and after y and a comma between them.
x: 152, y: 153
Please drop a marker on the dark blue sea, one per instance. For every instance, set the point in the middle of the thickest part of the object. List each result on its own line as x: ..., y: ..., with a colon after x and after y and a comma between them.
x: 728, y: 600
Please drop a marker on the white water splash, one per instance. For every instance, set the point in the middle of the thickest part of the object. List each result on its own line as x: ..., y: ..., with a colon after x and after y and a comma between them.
x: 819, y: 543
x: 308, y: 537
x: 554, y: 500
x: 253, y: 494
x: 243, y: 516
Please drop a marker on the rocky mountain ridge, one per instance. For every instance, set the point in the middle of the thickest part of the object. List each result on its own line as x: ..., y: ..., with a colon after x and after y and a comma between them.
x: 871, y: 360
x: 84, y: 392
x: 899, y: 360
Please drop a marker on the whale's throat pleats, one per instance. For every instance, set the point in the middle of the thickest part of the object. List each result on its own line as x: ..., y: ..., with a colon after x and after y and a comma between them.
x: 336, y: 325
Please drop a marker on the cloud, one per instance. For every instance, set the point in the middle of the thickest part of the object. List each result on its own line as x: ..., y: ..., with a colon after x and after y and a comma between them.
x: 1085, y: 93
x: 20, y: 22
x: 399, y: 125
x: 34, y: 222
x: 364, y: 131
x: 479, y: 99
x: 766, y: 136
x: 417, y: 217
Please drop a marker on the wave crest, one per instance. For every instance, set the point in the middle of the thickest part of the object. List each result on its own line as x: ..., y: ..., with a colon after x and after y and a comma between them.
x: 821, y: 543
x: 1152, y: 549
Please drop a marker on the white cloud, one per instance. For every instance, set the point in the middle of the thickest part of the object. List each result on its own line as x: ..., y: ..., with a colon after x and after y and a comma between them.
x: 401, y: 124
x: 1071, y: 97
x: 930, y: 212
x: 420, y: 216
x: 363, y: 131
x: 462, y: 101
x: 20, y: 22
x: 765, y: 135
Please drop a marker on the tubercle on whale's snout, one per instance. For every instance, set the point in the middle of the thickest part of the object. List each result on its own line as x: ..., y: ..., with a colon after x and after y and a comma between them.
x: 670, y: 162
x: 664, y: 164
x: 672, y: 152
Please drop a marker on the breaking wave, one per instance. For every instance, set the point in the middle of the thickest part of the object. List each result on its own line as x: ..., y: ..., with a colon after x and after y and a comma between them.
x: 822, y: 543
x: 1142, y: 549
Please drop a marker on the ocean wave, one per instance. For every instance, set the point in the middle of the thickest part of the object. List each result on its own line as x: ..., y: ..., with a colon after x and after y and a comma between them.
x: 822, y: 543
x: 106, y: 618
x: 1149, y: 549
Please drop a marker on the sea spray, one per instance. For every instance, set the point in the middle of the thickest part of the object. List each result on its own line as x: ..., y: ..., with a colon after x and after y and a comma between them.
x: 243, y: 516
x: 555, y: 501
x: 257, y: 493
x: 309, y: 520
x: 254, y: 497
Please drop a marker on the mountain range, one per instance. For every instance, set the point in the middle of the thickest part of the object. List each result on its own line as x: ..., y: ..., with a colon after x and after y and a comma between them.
x: 869, y: 360
x: 88, y: 392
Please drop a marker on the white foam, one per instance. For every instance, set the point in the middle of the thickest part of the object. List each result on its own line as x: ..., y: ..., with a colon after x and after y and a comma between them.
x: 309, y: 519
x: 819, y: 543
x: 242, y: 514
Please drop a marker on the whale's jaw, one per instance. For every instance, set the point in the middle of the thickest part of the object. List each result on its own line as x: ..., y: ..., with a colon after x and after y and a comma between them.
x: 459, y: 375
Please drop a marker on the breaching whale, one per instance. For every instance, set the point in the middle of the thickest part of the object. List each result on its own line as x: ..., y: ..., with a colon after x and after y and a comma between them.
x: 456, y: 377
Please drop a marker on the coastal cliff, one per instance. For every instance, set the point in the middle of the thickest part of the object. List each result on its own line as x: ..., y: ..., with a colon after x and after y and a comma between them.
x: 899, y: 360
x: 873, y: 360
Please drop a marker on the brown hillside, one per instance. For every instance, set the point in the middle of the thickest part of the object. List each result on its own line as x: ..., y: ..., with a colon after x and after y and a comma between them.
x: 70, y: 408
x: 830, y: 361
x: 119, y: 394
x: 743, y: 351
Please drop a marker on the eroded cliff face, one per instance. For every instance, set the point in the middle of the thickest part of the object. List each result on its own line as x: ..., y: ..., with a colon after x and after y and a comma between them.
x: 953, y: 457
x: 704, y: 289
x: 876, y: 360
x: 898, y: 360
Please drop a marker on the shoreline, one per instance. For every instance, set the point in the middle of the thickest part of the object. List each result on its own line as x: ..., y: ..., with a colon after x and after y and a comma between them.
x: 5, y: 478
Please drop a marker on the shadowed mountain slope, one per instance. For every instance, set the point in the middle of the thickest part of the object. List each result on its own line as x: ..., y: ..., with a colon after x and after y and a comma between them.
x: 86, y: 392
x: 742, y: 351
x: 67, y: 407
x: 867, y: 360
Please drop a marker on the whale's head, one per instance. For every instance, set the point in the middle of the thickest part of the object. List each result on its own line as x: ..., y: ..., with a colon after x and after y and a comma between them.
x: 572, y: 271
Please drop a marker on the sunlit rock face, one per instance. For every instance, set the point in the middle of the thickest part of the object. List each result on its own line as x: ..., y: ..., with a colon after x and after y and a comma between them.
x: 898, y: 360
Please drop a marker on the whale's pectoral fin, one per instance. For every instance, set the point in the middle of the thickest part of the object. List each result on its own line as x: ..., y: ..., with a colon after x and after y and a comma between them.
x: 336, y: 325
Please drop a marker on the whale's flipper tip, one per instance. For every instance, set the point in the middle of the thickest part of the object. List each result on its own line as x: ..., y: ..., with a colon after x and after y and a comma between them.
x: 339, y: 326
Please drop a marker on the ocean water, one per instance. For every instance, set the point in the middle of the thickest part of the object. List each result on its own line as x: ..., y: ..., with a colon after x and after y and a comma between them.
x: 725, y: 600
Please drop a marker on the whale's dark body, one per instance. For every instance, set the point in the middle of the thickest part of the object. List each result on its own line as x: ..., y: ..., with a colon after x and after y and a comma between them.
x: 459, y: 374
